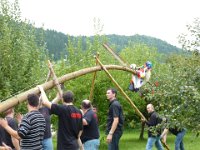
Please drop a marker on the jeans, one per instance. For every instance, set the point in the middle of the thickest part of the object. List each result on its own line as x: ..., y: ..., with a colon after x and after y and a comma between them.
x: 179, y: 140
x: 47, y: 144
x: 114, y: 144
x: 92, y: 144
x: 154, y: 140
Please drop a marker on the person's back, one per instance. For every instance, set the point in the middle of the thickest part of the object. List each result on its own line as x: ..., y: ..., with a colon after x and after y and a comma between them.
x: 90, y: 131
x: 69, y: 125
x: 47, y: 141
x: 9, y: 140
x: 32, y: 127
x: 69, y: 121
x: 179, y: 133
x: 90, y: 135
x: 13, y: 124
x: 2, y: 136
x: 31, y: 130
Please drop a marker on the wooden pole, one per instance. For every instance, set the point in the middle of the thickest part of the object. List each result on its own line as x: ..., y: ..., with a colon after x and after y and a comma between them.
x: 47, y: 79
x: 56, y: 82
x: 121, y: 90
x: 122, y: 62
x: 93, y: 82
x: 48, y: 76
x: 15, y: 100
x: 165, y: 145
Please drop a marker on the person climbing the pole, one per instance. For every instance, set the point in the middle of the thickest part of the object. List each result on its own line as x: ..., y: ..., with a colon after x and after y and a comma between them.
x: 141, y: 77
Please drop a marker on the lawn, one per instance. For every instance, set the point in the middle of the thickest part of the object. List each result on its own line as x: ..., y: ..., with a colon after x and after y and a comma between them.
x: 130, y: 141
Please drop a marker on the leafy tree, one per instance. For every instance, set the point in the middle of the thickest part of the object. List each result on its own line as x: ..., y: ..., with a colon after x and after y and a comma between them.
x: 22, y: 60
x: 191, y: 40
x: 178, y: 96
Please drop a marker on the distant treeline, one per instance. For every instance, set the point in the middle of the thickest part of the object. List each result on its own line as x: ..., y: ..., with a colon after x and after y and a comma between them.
x: 56, y: 42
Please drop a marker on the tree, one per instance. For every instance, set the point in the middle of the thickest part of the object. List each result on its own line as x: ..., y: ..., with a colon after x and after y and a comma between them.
x: 22, y: 60
x: 191, y: 40
x: 178, y: 96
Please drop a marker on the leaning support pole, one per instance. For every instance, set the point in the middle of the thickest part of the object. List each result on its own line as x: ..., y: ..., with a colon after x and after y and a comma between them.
x: 121, y: 90
x: 93, y: 82
x: 56, y: 82
x: 116, y: 56
x: 47, y: 79
x: 15, y: 100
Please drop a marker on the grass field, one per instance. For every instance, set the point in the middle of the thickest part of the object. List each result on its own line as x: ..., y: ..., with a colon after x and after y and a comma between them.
x: 130, y: 141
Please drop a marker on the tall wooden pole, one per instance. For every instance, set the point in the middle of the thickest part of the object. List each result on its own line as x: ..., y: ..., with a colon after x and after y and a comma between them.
x: 122, y: 62
x: 56, y: 82
x: 121, y: 90
x: 93, y: 82
x: 47, y: 79
x: 15, y: 100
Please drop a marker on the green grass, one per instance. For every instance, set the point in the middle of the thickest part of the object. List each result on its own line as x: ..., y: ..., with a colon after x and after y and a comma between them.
x: 130, y: 141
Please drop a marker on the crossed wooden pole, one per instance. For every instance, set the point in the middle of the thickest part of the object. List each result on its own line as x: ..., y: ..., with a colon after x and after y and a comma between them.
x: 120, y: 89
x: 93, y: 82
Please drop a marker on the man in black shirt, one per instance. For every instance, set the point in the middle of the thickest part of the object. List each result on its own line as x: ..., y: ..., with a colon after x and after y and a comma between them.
x: 47, y: 141
x: 11, y: 141
x: 2, y: 140
x: 3, y: 146
x: 115, y: 120
x: 153, y: 137
x: 70, y: 124
x: 90, y: 136
x: 2, y: 135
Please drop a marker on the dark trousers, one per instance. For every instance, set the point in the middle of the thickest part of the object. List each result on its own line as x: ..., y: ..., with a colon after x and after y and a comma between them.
x: 114, y: 144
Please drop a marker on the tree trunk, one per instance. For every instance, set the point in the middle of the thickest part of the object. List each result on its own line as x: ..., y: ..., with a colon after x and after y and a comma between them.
x: 142, y: 131
x: 11, y: 102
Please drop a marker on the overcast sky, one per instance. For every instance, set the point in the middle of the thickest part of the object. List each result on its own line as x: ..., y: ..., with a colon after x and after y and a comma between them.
x: 163, y: 19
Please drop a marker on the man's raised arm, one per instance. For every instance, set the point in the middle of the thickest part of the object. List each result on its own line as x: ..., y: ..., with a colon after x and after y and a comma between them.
x: 45, y: 100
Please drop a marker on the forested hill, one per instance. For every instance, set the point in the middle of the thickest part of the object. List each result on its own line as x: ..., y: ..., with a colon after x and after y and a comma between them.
x: 56, y: 42
x: 162, y: 46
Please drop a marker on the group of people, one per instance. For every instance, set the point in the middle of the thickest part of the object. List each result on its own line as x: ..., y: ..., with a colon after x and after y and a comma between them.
x: 77, y: 128
x: 155, y: 135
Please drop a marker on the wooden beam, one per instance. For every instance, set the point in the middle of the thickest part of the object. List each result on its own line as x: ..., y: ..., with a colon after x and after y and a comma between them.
x: 121, y: 61
x: 56, y: 82
x: 93, y: 82
x: 15, y: 100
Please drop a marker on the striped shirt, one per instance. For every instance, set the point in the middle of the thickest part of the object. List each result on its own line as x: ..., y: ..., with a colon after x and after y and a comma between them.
x: 31, y: 131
